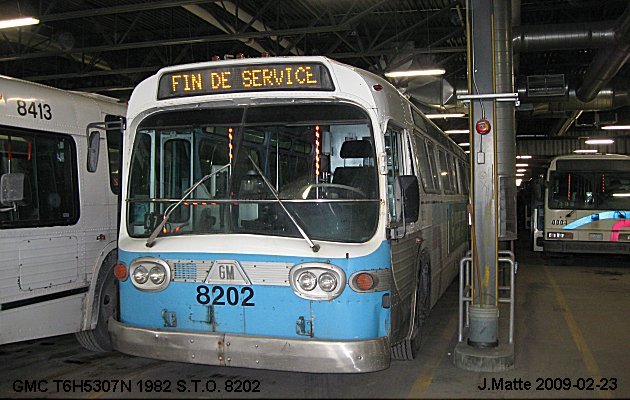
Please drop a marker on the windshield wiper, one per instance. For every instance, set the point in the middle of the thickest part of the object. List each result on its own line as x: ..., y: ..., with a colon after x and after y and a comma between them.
x: 313, y: 246
x: 172, y: 207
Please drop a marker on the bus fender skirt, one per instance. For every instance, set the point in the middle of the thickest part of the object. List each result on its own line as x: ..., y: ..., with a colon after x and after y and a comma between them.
x: 247, y: 351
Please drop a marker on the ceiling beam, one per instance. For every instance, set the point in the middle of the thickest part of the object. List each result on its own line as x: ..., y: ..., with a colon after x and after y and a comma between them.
x: 99, y: 12
x: 181, y: 41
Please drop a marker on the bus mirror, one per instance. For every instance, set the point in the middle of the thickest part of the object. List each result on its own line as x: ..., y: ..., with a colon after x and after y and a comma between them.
x: 407, y: 195
x: 94, y: 142
x: 11, y: 188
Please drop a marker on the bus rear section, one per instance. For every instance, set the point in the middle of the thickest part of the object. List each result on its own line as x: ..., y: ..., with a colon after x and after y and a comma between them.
x: 587, y: 207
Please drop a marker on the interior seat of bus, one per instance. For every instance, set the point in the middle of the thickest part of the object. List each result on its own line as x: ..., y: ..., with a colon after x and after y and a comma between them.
x: 360, y: 177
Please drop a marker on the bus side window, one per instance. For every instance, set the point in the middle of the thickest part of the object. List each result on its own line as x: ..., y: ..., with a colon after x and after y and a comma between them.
x: 445, y: 176
x: 393, y: 149
x: 434, y: 169
x: 426, y: 174
x: 48, y: 163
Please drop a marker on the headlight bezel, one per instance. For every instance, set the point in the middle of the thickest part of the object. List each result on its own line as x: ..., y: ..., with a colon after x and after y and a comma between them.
x: 317, y: 269
x: 149, y: 264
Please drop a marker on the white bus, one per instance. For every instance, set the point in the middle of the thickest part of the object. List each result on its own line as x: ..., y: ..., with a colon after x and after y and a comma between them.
x: 587, y: 204
x: 59, y: 172
x: 283, y: 213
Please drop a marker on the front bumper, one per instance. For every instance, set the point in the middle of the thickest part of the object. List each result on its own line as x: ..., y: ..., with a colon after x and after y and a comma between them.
x: 578, y: 246
x: 301, y: 355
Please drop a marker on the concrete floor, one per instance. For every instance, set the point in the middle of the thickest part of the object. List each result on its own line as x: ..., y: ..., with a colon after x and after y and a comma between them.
x: 572, y: 328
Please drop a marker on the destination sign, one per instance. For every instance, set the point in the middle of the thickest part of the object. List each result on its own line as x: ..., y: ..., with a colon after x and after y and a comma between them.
x: 244, y: 78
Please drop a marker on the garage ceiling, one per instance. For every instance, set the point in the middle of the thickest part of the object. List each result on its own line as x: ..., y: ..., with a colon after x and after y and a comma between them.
x: 110, y: 46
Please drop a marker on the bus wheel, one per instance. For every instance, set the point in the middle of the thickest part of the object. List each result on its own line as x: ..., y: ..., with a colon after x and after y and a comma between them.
x: 98, y: 338
x: 409, y: 347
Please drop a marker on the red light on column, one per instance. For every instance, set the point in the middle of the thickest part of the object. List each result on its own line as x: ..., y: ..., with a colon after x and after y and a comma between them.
x: 482, y: 126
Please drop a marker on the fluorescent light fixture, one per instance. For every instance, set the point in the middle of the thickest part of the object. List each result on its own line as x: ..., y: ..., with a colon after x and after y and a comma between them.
x: 454, y: 131
x: 466, y: 144
x: 599, y: 141
x: 415, y: 72
x: 584, y: 151
x: 522, y: 165
x: 443, y: 173
x: 616, y: 127
x: 518, y: 182
x: 467, y: 152
x: 523, y: 157
x: 520, y: 174
x: 454, y: 115
x: 521, y: 170
x: 621, y: 194
x: 17, y: 22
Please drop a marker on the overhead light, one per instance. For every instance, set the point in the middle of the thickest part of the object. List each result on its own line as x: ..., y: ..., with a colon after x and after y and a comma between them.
x: 523, y: 157
x: 522, y: 165
x: 464, y: 144
x: 521, y: 170
x: 415, y: 72
x: 455, y: 115
x: 520, y: 174
x: 454, y: 131
x: 583, y: 151
x: 621, y: 194
x: 599, y: 141
x: 616, y: 127
x: 518, y: 182
x: 17, y: 22
x: 467, y: 152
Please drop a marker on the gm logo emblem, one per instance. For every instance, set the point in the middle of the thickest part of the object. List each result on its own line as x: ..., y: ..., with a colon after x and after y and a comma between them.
x: 227, y: 272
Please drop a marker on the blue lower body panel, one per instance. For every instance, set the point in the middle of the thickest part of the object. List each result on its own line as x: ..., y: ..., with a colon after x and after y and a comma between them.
x: 258, y: 310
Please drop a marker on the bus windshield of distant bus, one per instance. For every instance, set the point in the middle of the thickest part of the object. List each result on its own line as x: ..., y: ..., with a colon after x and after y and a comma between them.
x: 590, y: 185
x: 318, y: 158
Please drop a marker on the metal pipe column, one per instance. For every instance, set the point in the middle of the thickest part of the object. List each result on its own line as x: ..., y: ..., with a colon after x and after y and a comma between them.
x: 489, y: 73
x: 481, y: 74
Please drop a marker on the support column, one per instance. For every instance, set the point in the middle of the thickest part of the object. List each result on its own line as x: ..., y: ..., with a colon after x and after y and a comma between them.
x: 484, y: 349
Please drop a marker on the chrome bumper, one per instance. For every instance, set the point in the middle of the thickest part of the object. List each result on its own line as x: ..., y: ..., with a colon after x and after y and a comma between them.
x: 301, y: 355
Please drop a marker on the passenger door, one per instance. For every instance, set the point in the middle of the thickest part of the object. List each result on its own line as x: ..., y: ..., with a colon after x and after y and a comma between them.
x: 404, y: 250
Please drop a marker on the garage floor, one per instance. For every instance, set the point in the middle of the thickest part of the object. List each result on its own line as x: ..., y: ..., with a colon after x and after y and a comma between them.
x: 572, y: 333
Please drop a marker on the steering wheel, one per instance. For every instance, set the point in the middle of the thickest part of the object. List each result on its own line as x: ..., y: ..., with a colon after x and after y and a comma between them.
x: 329, y: 191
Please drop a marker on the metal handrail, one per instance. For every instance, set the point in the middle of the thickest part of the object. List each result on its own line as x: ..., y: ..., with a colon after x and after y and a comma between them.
x: 465, y: 291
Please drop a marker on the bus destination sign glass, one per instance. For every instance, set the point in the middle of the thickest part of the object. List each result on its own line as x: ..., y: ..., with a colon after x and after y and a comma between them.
x: 244, y: 78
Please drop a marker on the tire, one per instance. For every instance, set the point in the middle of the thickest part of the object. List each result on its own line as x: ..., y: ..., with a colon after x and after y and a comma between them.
x: 408, y: 348
x: 98, y: 339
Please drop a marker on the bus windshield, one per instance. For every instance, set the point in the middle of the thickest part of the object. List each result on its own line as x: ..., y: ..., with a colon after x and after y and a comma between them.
x: 319, y: 159
x: 581, y: 188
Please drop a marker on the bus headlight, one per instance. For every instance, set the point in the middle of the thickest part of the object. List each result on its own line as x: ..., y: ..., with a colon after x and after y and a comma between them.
x: 317, y: 281
x: 327, y: 282
x: 157, y: 274
x: 140, y: 275
x: 150, y: 274
x: 307, y: 281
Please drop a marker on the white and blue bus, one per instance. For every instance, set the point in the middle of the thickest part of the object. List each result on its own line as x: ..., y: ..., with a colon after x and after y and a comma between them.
x: 283, y: 213
x: 587, y: 204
